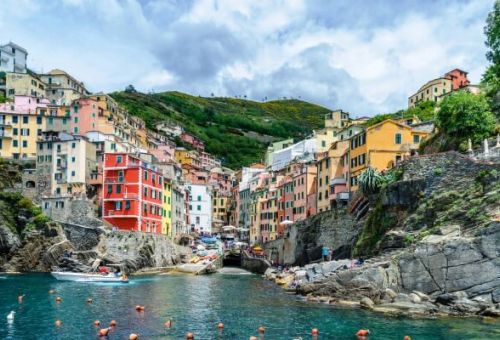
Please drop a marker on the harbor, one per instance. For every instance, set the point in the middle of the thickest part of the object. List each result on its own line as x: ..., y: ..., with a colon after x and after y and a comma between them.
x: 197, y: 304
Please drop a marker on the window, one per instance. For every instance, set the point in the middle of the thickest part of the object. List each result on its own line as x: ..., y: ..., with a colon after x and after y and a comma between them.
x: 39, y: 120
x: 15, y: 143
x: 398, y: 138
x: 190, y: 207
x: 416, y: 138
x: 199, y: 198
x: 75, y: 129
x: 15, y: 119
x: 145, y: 175
x: 127, y: 205
x: 145, y: 192
x: 110, y: 189
x: 118, y: 159
x: 25, y: 119
x: 73, y: 173
x: 73, y: 159
x: 323, y: 143
x: 25, y: 132
x: 15, y: 131
x: 118, y: 205
x: 118, y: 189
x: 120, y: 176
x: 73, y: 145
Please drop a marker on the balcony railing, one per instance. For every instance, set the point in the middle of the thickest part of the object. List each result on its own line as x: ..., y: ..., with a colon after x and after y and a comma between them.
x: 338, y: 181
x: 343, y: 196
x: 5, y: 134
x: 114, y: 180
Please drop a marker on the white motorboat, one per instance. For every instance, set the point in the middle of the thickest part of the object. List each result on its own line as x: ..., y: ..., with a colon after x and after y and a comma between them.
x: 90, y: 277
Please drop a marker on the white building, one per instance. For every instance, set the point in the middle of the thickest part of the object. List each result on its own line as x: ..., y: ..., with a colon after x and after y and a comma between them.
x: 200, y: 208
x: 13, y: 58
x: 300, y: 150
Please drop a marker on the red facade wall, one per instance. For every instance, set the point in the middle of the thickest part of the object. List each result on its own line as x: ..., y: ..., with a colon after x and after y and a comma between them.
x: 132, y: 194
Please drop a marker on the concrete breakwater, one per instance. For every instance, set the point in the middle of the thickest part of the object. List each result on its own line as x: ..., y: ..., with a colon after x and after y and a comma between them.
x: 444, y: 274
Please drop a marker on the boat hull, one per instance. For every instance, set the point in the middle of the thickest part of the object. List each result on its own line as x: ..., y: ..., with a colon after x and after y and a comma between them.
x: 85, y: 277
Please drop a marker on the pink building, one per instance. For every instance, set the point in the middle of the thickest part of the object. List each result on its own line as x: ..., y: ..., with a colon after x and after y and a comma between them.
x: 303, y: 180
x: 164, y: 152
x: 24, y: 104
x: 84, y: 116
x: 195, y: 142
x: 221, y: 178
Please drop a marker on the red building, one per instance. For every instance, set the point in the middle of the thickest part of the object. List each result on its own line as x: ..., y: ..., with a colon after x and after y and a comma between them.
x: 195, y: 142
x: 132, y: 193
x: 458, y: 78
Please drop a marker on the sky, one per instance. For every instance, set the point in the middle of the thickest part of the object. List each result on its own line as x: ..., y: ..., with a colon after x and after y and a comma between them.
x: 364, y: 57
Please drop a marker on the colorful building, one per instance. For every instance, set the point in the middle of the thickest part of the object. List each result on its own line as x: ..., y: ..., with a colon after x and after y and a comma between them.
x: 61, y: 88
x: 329, y: 166
x: 381, y: 146
x: 200, y: 208
x: 303, y: 185
x: 132, y: 193
x: 22, y: 122
x: 167, y: 208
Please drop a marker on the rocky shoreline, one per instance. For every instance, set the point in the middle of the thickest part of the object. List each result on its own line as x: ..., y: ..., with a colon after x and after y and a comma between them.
x: 446, y: 275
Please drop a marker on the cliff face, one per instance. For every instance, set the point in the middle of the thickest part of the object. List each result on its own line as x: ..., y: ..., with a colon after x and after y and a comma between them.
x: 435, y: 232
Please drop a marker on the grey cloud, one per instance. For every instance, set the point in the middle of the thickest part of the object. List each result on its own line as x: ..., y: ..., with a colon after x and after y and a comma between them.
x: 309, y: 77
x: 199, y: 51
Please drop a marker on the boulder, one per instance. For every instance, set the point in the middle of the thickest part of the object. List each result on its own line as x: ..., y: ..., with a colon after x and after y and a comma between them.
x: 390, y: 293
x: 366, y: 303
x: 422, y: 296
x: 414, y: 298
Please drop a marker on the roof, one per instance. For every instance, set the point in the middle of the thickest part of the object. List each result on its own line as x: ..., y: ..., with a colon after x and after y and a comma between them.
x: 16, y: 46
x: 388, y: 121
x: 457, y: 69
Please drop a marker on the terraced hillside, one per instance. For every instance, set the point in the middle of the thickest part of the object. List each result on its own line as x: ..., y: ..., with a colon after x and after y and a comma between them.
x: 236, y: 130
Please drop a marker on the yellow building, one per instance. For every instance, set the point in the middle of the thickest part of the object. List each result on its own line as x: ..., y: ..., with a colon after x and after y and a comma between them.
x: 329, y: 167
x: 166, y: 225
x: 187, y: 157
x: 62, y: 88
x: 22, y: 121
x: 381, y: 146
x: 221, y: 204
x: 24, y: 84
x: 432, y: 91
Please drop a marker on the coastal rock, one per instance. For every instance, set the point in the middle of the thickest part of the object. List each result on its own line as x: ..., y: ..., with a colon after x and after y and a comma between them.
x: 390, y: 294
x: 366, y: 303
x: 414, y: 298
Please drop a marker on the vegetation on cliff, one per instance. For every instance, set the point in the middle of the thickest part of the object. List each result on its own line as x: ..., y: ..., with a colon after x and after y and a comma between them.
x: 236, y: 130
x: 425, y: 111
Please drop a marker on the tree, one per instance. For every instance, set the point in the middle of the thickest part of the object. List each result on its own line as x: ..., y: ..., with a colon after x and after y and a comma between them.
x: 491, y: 77
x: 130, y: 89
x: 464, y: 115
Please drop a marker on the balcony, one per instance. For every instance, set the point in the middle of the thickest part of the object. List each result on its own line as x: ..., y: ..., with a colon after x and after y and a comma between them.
x: 338, y: 181
x: 95, y: 179
x: 5, y: 134
x: 119, y: 214
x: 343, y: 196
x: 114, y: 180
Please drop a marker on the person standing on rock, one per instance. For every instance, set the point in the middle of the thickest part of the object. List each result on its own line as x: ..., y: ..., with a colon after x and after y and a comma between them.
x: 325, y: 252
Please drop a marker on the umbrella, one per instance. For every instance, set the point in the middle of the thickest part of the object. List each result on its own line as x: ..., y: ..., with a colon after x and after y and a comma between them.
x: 244, y: 230
x: 228, y: 227
x: 286, y: 222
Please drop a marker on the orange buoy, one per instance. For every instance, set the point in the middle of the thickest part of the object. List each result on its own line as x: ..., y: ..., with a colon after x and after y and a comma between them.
x: 58, y: 323
x: 190, y: 336
x: 261, y: 330
x: 89, y: 300
x: 407, y: 337
x: 220, y: 326
x: 168, y: 323
x: 112, y: 323
x: 253, y: 338
x: 58, y: 299
x: 314, y: 331
x: 104, y: 332
x: 97, y: 323
x: 138, y: 308
x: 363, y: 332
x: 133, y: 336
x: 142, y: 308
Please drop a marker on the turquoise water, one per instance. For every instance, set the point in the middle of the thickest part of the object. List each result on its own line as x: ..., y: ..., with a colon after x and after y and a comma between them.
x: 197, y: 304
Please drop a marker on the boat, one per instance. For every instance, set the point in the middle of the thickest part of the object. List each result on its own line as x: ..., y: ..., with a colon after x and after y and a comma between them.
x: 205, y: 267
x: 89, y: 277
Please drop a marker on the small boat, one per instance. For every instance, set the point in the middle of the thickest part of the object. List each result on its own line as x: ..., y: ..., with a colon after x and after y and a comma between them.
x: 89, y: 277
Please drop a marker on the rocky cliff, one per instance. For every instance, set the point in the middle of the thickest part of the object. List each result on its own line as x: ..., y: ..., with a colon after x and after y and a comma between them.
x: 432, y: 240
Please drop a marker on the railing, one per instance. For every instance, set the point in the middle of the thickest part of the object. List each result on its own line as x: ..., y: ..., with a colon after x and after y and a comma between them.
x: 338, y: 181
x: 114, y: 180
x: 5, y: 134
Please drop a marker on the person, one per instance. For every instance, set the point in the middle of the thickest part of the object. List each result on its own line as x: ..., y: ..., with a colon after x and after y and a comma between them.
x: 330, y: 255
x: 103, y: 270
x: 325, y: 251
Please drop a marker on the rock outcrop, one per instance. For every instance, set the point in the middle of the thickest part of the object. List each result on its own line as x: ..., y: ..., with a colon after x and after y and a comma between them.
x: 76, y: 248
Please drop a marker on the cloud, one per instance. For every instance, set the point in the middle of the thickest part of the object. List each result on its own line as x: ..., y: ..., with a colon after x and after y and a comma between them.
x: 362, y: 56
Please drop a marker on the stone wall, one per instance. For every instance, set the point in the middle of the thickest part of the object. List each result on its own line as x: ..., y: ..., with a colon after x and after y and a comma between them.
x: 75, y: 211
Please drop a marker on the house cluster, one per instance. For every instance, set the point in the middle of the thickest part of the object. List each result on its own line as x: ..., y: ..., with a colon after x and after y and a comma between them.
x: 93, y: 158
x: 316, y: 174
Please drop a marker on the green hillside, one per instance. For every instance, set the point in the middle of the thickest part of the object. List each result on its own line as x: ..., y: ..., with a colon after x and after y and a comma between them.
x: 236, y: 130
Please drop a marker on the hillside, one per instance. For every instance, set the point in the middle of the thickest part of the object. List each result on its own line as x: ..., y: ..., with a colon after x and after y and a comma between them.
x: 235, y: 130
